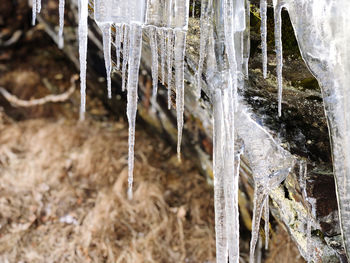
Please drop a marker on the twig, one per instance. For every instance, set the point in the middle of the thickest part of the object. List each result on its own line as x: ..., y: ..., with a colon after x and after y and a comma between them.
x: 16, y: 102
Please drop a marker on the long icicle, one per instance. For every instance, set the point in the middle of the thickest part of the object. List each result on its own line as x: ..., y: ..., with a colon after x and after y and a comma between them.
x: 154, y: 49
x: 259, y: 199
x: 34, y: 5
x: 118, y: 36
x: 219, y: 184
x: 263, y: 29
x: 267, y: 218
x: 83, y: 41
x: 38, y: 2
x: 162, y: 33
x: 125, y: 55
x: 170, y: 57
x: 231, y: 180
x: 61, y: 23
x: 179, y: 54
x: 204, y: 28
x: 133, y: 75
x: 107, y: 38
x: 279, y: 54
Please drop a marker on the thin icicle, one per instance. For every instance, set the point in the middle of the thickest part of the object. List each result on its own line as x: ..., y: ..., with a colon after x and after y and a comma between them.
x: 34, y: 6
x: 193, y: 7
x: 118, y: 37
x: 170, y: 56
x: 259, y: 199
x: 154, y: 49
x: 125, y: 55
x: 279, y: 54
x: 38, y: 6
x: 246, y: 41
x: 107, y: 38
x: 61, y: 23
x: 162, y: 33
x: 302, y: 182
x: 204, y: 35
x: 179, y: 55
x: 83, y: 40
x: 133, y: 76
x: 263, y: 29
x: 267, y: 218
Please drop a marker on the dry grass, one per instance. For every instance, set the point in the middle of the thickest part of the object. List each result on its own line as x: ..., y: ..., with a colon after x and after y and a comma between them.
x: 63, y: 197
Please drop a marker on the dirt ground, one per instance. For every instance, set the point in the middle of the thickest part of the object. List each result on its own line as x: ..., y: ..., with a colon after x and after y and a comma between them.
x: 63, y: 183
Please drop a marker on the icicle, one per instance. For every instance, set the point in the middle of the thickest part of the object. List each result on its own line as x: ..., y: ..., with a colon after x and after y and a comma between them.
x: 83, y: 40
x: 267, y: 216
x: 233, y: 51
x: 154, y: 49
x: 133, y: 75
x: 279, y: 55
x: 34, y: 5
x: 259, y: 250
x: 219, y: 183
x: 259, y: 199
x: 118, y: 37
x: 193, y: 7
x: 204, y: 34
x: 38, y: 6
x: 107, y: 38
x: 179, y: 54
x: 162, y: 53
x: 170, y: 54
x: 61, y: 23
x: 302, y: 183
x: 263, y: 29
x: 246, y: 41
x: 125, y: 54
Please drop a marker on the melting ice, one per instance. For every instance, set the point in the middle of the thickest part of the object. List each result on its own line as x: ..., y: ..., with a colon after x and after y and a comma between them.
x: 321, y: 28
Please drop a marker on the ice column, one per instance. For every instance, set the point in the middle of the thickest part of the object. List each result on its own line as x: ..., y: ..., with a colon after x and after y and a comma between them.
x: 154, y: 49
x: 206, y: 8
x: 263, y: 29
x: 83, y: 40
x: 133, y: 76
x: 322, y: 31
x: 125, y: 55
x: 107, y: 38
x: 170, y: 55
x: 279, y: 55
x: 118, y: 38
x: 61, y: 23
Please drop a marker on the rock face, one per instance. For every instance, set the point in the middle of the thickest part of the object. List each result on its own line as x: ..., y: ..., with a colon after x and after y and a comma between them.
x: 306, y: 201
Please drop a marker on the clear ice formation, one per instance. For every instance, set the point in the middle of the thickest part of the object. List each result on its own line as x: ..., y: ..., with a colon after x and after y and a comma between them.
x: 83, y: 41
x: 170, y: 56
x: 171, y: 15
x: 134, y: 65
x: 118, y: 40
x: 322, y: 32
x: 279, y: 56
x: 204, y: 27
x: 154, y: 49
x: 106, y: 39
x: 61, y: 23
x: 125, y: 55
x: 263, y: 29
x: 321, y: 28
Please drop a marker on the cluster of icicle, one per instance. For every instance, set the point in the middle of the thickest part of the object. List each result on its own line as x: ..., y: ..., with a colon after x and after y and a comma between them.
x: 224, y: 44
